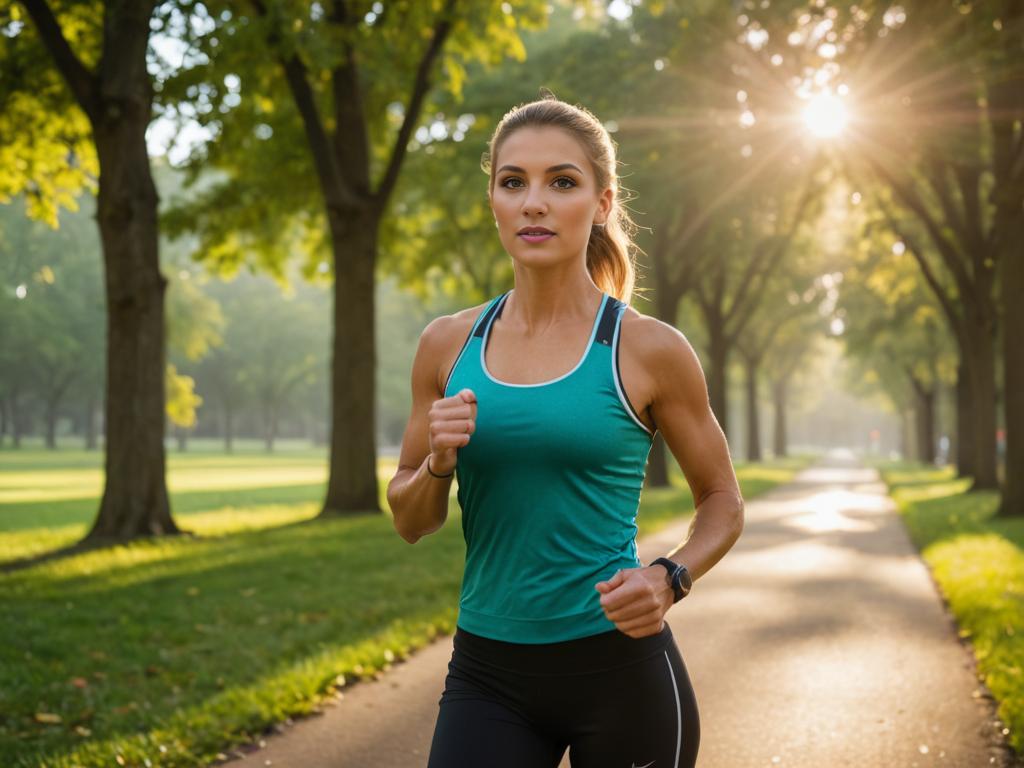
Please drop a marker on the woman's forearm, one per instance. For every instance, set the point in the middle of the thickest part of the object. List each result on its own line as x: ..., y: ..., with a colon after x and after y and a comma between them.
x: 419, y: 501
x: 714, y: 528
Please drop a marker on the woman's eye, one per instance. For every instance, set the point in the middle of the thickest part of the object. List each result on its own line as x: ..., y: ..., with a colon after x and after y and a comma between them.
x: 570, y: 183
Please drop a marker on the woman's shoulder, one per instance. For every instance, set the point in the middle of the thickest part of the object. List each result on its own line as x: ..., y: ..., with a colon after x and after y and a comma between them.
x: 443, y: 337
x: 446, y: 329
x: 661, y: 349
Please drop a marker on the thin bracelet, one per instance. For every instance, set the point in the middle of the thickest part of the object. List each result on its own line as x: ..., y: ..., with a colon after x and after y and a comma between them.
x: 435, y: 474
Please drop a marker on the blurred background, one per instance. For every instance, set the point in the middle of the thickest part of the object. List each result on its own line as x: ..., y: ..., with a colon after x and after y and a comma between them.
x: 223, y: 226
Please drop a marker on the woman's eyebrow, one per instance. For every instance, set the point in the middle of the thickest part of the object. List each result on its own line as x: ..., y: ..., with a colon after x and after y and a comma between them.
x: 552, y: 169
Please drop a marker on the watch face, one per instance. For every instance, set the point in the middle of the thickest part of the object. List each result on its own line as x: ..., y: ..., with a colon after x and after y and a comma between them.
x: 684, y: 580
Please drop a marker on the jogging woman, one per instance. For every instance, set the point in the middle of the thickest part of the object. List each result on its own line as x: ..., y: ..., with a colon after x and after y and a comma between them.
x: 544, y: 402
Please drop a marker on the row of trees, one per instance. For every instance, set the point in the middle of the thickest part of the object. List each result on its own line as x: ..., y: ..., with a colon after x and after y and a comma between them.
x: 730, y: 187
x: 938, y: 154
x: 245, y: 355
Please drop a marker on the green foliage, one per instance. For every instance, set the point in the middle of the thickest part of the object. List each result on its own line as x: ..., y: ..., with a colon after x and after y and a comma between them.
x: 181, y: 399
x: 269, y: 208
x: 46, y: 149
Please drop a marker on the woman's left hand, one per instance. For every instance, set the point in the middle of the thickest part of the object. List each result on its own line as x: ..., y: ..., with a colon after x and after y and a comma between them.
x: 636, y: 600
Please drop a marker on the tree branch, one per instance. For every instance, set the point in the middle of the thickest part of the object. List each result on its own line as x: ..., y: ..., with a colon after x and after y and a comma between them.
x: 442, y: 28
x: 81, y: 81
x: 336, y: 193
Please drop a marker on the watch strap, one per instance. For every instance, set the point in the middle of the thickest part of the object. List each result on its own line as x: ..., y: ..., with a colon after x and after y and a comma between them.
x: 674, y: 576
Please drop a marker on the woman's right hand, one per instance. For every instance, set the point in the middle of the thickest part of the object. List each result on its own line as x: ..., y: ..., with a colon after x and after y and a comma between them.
x: 451, y: 421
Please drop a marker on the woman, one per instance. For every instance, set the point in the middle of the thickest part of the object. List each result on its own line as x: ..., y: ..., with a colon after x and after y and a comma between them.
x: 545, y: 401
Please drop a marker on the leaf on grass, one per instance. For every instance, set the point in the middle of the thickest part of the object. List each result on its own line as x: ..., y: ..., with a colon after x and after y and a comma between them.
x: 47, y: 717
x: 79, y: 682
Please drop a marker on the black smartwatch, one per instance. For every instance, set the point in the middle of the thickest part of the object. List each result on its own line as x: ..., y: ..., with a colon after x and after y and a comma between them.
x: 678, y: 577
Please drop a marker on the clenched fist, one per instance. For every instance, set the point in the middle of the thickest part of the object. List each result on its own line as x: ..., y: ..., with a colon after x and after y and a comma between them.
x: 451, y: 421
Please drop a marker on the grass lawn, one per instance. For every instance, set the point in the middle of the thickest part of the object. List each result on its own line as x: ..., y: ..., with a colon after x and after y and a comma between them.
x: 167, y: 653
x: 978, y: 562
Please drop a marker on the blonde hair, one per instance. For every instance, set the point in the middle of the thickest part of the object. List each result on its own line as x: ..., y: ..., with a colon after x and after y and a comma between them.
x: 611, y: 251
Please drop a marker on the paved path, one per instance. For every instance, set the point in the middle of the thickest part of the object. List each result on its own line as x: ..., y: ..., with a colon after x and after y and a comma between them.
x: 819, y: 641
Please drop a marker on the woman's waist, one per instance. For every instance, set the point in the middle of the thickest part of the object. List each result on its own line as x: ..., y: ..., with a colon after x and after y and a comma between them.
x: 610, y: 649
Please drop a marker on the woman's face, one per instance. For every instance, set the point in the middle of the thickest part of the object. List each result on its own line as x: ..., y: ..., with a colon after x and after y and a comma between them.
x: 543, y: 180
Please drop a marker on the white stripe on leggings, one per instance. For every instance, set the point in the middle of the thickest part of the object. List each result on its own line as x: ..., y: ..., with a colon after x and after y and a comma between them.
x: 679, y: 714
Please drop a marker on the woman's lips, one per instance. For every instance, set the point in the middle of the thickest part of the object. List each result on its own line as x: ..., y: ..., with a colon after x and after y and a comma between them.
x: 538, y: 238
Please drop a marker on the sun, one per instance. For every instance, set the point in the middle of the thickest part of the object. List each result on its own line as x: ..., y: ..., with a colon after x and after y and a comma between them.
x: 825, y: 115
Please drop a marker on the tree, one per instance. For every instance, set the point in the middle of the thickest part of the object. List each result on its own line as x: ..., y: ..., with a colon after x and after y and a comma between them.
x: 100, y: 118
x: 319, y: 93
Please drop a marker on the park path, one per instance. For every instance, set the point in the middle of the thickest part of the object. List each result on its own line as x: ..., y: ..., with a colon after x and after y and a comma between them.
x: 819, y: 640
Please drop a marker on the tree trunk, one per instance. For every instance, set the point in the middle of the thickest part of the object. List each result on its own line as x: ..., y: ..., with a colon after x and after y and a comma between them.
x: 980, y: 358
x: 1012, y: 289
x: 905, y: 435
x: 228, y: 427
x: 924, y: 421
x: 964, y: 423
x: 753, y: 425
x: 135, y: 501
x: 717, y: 376
x: 352, y: 486
x: 182, y: 437
x: 90, y: 423
x: 17, y: 422
x: 781, y: 447
x: 270, y: 429
x: 3, y: 421
x: 656, y: 475
x: 666, y: 307
x: 51, y: 424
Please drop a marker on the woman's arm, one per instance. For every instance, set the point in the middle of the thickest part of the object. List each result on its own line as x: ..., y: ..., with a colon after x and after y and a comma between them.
x: 681, y: 409
x: 418, y: 500
x: 637, y: 599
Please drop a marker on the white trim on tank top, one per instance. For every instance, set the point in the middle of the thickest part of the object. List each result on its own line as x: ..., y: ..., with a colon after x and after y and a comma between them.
x: 615, y: 376
x: 586, y: 352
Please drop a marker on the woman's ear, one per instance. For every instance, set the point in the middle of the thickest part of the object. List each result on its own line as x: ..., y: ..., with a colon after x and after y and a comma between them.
x: 604, y: 206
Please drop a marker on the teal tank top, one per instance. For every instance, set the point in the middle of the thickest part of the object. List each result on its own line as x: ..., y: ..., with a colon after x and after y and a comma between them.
x: 549, y: 486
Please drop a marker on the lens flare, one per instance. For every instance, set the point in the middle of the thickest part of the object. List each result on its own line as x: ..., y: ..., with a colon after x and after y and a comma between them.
x: 825, y: 115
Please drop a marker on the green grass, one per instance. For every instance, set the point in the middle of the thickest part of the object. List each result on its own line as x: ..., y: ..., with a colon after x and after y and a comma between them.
x: 977, y: 560
x: 168, y: 652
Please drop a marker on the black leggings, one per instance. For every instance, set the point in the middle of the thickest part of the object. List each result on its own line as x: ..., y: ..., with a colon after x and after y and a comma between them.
x: 613, y: 700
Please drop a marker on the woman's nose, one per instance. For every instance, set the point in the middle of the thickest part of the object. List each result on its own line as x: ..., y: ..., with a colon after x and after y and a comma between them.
x: 533, y: 203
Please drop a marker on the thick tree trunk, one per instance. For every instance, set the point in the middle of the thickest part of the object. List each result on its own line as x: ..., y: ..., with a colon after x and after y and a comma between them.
x: 352, y: 486
x: 1012, y: 290
x: 135, y: 501
x: 753, y: 425
x: 981, y: 373
x: 780, y: 447
x: 117, y: 98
